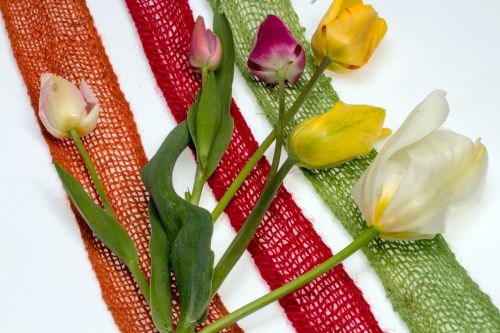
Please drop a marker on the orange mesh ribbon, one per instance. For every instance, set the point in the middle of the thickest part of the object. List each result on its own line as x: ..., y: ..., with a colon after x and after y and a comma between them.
x: 60, y: 37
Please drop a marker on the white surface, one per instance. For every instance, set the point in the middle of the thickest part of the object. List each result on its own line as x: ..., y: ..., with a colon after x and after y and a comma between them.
x: 46, y: 282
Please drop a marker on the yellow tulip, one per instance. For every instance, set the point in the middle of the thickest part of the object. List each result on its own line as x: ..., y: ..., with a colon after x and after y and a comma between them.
x: 348, y: 34
x: 341, y: 134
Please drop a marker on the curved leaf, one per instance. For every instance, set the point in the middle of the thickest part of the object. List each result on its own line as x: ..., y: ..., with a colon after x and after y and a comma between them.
x: 157, y: 176
x: 161, y: 295
x: 188, y: 228
x: 104, y: 225
x: 192, y: 262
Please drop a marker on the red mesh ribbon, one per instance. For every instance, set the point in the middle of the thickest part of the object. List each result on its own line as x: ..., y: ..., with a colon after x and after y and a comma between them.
x: 60, y: 37
x: 286, y: 244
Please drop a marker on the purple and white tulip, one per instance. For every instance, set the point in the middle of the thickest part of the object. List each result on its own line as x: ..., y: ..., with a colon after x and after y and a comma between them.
x: 275, y: 48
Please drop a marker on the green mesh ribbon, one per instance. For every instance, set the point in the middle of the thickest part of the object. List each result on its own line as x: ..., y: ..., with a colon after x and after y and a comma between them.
x: 424, y: 282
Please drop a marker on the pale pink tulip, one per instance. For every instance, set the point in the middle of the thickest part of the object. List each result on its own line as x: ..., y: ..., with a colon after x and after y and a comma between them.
x: 206, y: 49
x: 62, y: 106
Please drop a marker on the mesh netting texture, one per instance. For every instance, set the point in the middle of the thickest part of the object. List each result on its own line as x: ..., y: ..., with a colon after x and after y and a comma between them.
x: 59, y: 37
x: 426, y: 285
x: 286, y: 244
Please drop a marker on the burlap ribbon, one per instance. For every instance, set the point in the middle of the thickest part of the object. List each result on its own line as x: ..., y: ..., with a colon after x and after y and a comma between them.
x: 60, y: 37
x: 423, y: 280
x: 286, y: 244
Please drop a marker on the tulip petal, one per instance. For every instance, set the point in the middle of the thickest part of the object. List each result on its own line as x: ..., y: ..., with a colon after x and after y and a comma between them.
x: 87, y: 93
x: 420, y: 175
x: 335, y: 8
x: 62, y: 103
x: 216, y: 52
x: 345, y: 132
x: 200, y: 48
x: 429, y: 115
x: 469, y: 183
x: 275, y: 48
x: 44, y: 78
x: 89, y: 122
x: 445, y: 169
x: 51, y: 129
x: 348, y: 35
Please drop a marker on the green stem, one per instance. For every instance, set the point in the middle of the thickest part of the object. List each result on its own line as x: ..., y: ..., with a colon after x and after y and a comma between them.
x: 199, y: 181
x: 185, y: 327
x: 280, y: 124
x: 245, y: 234
x: 295, y: 284
x: 204, y: 73
x: 199, y: 178
x: 91, y: 169
x: 141, y: 280
x: 243, y: 174
x: 307, y: 89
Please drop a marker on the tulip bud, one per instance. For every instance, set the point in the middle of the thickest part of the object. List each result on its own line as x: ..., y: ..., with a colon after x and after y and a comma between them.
x: 420, y: 174
x: 348, y: 34
x: 343, y: 133
x: 62, y: 106
x: 276, y: 49
x: 206, y: 48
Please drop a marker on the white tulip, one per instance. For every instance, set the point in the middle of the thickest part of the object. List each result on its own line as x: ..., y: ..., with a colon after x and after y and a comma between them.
x: 421, y: 173
x: 64, y: 107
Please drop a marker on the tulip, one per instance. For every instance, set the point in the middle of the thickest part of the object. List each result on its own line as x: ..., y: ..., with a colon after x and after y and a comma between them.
x: 348, y: 34
x: 64, y: 107
x: 206, y: 49
x: 276, y: 49
x: 339, y: 135
x: 420, y: 174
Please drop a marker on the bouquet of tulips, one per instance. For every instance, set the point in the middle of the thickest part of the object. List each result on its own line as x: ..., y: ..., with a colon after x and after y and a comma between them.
x: 405, y: 194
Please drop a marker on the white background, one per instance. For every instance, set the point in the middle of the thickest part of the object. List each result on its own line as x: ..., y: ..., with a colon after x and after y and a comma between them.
x: 46, y: 282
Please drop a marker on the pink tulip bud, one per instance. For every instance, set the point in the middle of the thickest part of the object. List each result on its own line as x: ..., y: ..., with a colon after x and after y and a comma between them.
x: 206, y: 49
x: 275, y: 48
x: 62, y: 106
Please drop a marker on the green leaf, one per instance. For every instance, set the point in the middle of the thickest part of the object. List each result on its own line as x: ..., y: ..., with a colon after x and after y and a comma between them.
x: 192, y: 262
x: 157, y: 176
x: 224, y: 76
x: 192, y: 118
x: 188, y: 229
x: 208, y: 118
x: 221, y: 142
x: 160, y: 292
x: 104, y: 225
x: 225, y: 72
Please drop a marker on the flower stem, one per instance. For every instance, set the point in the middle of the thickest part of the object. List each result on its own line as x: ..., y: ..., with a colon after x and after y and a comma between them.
x: 280, y: 124
x: 245, y: 234
x: 295, y: 284
x: 199, y: 178
x: 91, y: 169
x: 243, y: 174
x: 185, y: 328
x: 199, y: 181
